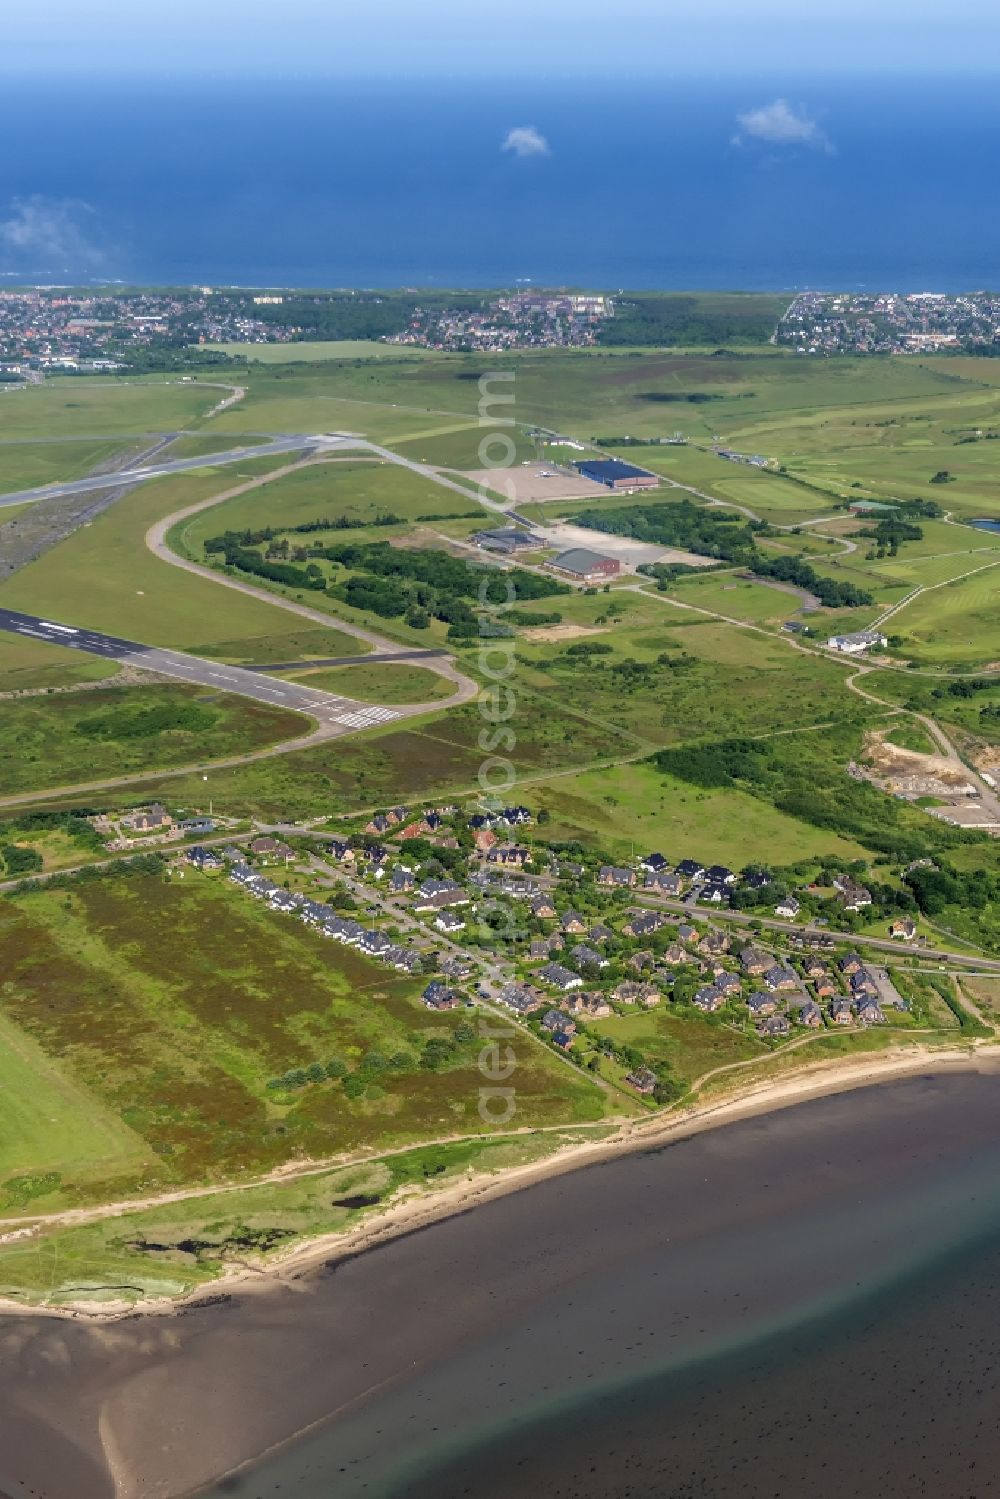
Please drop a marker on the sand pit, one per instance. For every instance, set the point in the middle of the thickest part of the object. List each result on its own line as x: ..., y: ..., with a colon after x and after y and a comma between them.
x: 550, y: 633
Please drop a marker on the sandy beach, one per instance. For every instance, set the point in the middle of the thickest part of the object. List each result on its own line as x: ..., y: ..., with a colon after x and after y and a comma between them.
x: 414, y: 1209
x: 159, y: 1404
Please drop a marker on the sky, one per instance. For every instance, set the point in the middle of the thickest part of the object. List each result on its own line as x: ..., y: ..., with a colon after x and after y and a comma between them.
x: 400, y: 38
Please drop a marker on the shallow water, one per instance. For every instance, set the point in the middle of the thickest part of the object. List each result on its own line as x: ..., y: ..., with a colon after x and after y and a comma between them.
x: 804, y: 1303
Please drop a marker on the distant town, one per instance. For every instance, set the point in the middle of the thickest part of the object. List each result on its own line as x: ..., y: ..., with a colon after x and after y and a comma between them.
x: 886, y: 323
x: 95, y: 331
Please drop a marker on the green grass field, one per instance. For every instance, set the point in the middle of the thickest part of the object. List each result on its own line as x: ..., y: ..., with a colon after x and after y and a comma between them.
x: 360, y: 490
x: 28, y: 465
x: 319, y: 352
x: 50, y: 741
x: 80, y: 407
x: 104, y: 576
x: 635, y: 808
x: 392, y: 682
x: 170, y: 1004
x: 30, y: 664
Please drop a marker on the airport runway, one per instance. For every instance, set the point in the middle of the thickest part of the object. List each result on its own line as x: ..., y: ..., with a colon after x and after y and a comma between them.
x: 335, y: 714
x: 290, y: 443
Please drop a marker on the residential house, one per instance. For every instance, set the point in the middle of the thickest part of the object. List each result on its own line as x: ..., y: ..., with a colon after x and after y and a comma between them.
x: 271, y: 850
x: 676, y: 954
x: 813, y: 966
x: 573, y: 923
x: 642, y: 1080
x: 842, y: 1012
x: 905, y: 929
x: 437, y: 996
x: 543, y: 908
x: 756, y: 879
x: 615, y: 875
x: 779, y: 976
x: 510, y: 855
x: 196, y: 825
x: 149, y: 819
x: 643, y: 923
x: 521, y: 998
x: 654, y: 863
x: 630, y: 993
x: 774, y: 1027
x: 539, y: 948
x: 850, y: 963
x: 825, y: 986
x: 686, y: 933
x: 555, y: 1020
x: 788, y: 907
x: 203, y: 858
x: 590, y: 1006
x: 690, y: 869
x: 728, y: 983
x: 663, y: 882
x: 449, y: 922
x: 401, y: 880
x: 714, y: 943
x: 588, y: 957
x: 863, y: 982
x: 600, y: 933
x: 718, y: 874
x: 484, y: 839
x: 870, y: 1012
x: 456, y: 966
x: 440, y: 900
x: 810, y: 1014
x: 760, y: 1003
x: 341, y: 850
x: 853, y: 896
x: 560, y: 978
x: 709, y: 998
x: 755, y: 961
x: 640, y: 961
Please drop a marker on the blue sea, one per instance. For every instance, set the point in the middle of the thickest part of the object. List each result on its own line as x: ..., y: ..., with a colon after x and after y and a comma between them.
x: 874, y: 183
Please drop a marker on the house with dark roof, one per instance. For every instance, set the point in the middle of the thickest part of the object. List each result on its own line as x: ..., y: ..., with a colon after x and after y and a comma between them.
x: 559, y: 977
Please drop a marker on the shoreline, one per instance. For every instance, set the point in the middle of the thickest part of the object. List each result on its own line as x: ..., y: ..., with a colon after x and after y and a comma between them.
x: 414, y: 1210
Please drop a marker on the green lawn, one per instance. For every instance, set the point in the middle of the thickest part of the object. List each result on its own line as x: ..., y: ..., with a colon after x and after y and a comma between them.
x: 26, y: 664
x: 25, y: 465
x: 391, y: 682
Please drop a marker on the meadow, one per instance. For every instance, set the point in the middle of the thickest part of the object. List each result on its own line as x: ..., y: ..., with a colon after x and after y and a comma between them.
x: 170, y: 1004
x: 81, y: 407
x: 28, y: 465
x: 388, y: 682
x: 84, y: 736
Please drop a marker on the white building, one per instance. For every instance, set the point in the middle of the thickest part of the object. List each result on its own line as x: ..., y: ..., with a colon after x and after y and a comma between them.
x: 856, y: 644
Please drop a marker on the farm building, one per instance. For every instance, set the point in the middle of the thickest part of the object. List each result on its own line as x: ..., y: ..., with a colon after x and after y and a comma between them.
x: 586, y: 566
x: 616, y: 474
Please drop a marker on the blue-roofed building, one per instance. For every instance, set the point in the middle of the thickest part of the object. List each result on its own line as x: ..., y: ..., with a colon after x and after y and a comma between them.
x: 616, y: 474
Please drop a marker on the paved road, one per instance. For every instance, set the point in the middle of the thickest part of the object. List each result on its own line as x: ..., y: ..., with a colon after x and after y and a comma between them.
x: 337, y: 715
x: 289, y: 443
x: 694, y: 911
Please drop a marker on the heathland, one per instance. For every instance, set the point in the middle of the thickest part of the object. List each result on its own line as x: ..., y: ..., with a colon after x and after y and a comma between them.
x: 161, y: 1034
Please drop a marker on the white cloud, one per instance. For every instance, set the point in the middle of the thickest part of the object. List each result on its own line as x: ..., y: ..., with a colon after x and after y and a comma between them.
x: 525, y: 140
x: 52, y: 234
x: 781, y: 124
